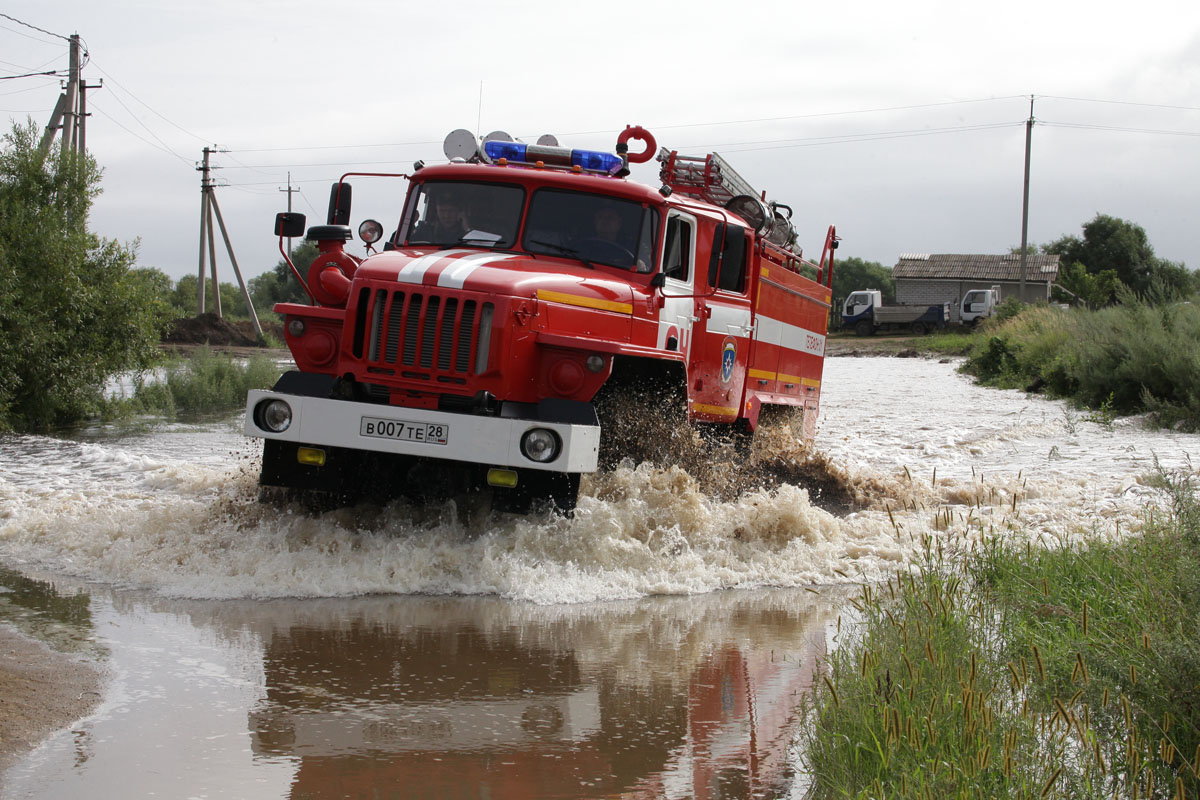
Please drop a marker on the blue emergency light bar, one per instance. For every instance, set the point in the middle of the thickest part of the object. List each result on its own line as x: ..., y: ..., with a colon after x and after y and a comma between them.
x: 521, y: 153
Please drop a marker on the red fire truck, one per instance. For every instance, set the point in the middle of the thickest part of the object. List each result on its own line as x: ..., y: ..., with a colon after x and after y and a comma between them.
x: 468, y: 351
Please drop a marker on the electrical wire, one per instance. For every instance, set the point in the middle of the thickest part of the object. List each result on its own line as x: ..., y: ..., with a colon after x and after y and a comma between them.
x: 1118, y: 102
x: 34, y: 27
x: 135, y: 135
x: 157, y: 138
x: 1086, y: 126
x: 150, y: 108
x: 52, y: 73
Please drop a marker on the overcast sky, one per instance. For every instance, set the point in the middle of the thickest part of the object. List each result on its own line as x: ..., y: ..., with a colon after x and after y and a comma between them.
x: 902, y: 123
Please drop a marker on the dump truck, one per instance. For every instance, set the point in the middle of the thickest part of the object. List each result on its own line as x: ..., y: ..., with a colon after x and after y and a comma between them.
x: 864, y: 313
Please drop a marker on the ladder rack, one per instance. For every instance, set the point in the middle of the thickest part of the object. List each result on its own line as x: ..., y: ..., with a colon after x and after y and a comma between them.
x: 709, y: 178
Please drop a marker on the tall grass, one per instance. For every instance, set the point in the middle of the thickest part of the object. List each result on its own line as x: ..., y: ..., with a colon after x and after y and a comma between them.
x: 1127, y: 359
x: 207, y: 382
x: 1065, y: 673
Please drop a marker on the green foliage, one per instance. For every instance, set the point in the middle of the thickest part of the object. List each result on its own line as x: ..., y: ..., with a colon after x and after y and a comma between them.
x: 205, y: 383
x: 1095, y: 290
x: 280, y: 285
x: 72, y: 313
x: 853, y: 274
x: 999, y: 671
x: 1114, y: 252
x: 233, y: 304
x: 1124, y: 359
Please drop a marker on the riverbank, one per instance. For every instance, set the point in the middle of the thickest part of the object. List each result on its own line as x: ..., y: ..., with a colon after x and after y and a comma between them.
x: 41, y: 691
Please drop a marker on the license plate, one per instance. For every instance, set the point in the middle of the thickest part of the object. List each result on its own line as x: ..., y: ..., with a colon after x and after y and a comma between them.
x: 427, y: 432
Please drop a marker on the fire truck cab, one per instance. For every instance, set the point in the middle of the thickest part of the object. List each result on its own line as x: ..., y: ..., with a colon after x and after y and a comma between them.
x: 520, y: 279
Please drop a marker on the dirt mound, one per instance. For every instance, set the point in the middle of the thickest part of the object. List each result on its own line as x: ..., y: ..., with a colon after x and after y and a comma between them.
x: 214, y: 331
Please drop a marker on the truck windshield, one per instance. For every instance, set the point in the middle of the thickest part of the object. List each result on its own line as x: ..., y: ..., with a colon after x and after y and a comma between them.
x: 477, y: 214
x: 594, y: 228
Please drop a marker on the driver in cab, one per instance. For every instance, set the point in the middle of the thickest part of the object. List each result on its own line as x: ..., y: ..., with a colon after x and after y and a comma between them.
x: 609, y: 242
x: 445, y: 222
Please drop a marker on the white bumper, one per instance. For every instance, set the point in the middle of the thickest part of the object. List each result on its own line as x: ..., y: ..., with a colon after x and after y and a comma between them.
x: 492, y: 441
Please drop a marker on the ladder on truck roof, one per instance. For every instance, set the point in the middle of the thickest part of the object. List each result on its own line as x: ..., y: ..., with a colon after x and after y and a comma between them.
x: 709, y: 178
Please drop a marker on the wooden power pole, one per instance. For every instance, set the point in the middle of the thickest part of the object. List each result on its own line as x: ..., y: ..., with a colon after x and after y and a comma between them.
x: 70, y: 112
x: 208, y: 205
x: 1025, y: 203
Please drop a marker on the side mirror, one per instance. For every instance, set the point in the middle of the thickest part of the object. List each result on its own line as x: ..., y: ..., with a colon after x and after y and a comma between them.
x: 659, y: 280
x: 289, y: 225
x: 339, y: 204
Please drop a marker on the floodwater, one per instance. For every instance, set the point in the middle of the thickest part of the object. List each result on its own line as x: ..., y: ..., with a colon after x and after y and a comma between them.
x: 655, y: 645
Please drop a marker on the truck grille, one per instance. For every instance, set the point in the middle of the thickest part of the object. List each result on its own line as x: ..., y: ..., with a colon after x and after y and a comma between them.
x: 422, y: 336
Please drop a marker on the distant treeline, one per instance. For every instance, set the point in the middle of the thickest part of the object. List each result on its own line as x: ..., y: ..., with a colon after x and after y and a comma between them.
x: 1112, y: 262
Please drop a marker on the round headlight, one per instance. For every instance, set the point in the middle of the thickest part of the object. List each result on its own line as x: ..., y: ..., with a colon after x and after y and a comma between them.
x: 296, y: 327
x: 540, y: 445
x: 370, y: 231
x: 594, y: 362
x: 274, y: 415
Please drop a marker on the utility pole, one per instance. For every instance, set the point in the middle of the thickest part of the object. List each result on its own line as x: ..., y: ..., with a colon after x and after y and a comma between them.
x: 289, y: 191
x: 70, y: 112
x: 209, y: 206
x: 1025, y: 203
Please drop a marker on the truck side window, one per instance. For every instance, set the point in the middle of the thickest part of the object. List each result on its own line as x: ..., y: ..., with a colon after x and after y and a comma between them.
x: 677, y: 256
x: 727, y: 266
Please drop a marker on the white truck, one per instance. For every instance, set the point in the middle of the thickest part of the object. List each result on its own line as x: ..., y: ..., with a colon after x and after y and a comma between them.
x: 977, y: 305
x: 865, y: 314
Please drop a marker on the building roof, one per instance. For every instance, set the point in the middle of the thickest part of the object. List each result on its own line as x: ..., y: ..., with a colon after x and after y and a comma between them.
x: 951, y: 266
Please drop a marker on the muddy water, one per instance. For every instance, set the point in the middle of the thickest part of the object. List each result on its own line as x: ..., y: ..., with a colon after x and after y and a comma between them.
x: 443, y: 652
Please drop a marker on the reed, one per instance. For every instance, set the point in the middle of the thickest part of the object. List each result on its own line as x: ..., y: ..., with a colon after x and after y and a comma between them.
x: 1009, y: 671
x: 207, y: 382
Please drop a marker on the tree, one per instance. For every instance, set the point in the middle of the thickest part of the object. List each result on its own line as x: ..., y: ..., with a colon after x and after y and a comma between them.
x: 71, y: 313
x: 853, y: 274
x: 1114, y: 245
x: 280, y: 285
x: 1095, y: 290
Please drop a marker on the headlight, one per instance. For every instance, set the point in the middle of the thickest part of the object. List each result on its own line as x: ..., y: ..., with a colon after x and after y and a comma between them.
x: 540, y: 445
x: 273, y: 415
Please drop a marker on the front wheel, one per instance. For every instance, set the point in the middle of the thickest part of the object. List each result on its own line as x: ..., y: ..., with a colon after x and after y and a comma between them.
x: 864, y: 328
x: 920, y: 328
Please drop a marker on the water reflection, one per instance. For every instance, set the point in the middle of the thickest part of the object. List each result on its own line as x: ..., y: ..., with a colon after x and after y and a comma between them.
x: 61, y: 618
x: 411, y: 697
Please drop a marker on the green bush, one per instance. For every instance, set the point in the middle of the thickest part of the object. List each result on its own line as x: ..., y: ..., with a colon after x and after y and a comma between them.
x: 205, y: 383
x: 71, y: 313
x: 1125, y: 359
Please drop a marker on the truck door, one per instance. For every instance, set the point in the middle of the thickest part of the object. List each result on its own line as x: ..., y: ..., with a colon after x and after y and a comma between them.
x: 679, y: 303
x: 721, y: 337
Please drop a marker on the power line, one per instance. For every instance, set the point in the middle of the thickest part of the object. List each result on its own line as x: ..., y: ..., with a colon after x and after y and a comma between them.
x: 35, y: 27
x: 1085, y: 126
x: 166, y: 146
x: 147, y: 105
x: 1120, y: 102
x: 142, y: 139
x: 52, y: 73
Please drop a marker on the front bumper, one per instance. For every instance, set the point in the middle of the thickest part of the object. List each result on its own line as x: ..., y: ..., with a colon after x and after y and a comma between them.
x: 485, y: 440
